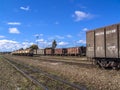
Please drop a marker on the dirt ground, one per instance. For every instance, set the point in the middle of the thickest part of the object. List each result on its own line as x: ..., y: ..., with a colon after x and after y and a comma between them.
x: 10, y: 79
x: 92, y: 78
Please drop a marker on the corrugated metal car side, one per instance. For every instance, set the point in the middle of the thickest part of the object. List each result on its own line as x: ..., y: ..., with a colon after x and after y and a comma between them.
x: 90, y: 36
x: 58, y: 51
x: 112, y: 41
x: 100, y: 42
x: 40, y: 51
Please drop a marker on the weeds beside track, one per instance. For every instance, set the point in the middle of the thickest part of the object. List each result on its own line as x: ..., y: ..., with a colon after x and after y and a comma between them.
x: 43, y: 79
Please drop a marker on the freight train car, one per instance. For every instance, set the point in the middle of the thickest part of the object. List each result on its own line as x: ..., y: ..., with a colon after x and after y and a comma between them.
x: 39, y: 52
x: 103, y: 45
x: 76, y: 51
x: 26, y: 52
x: 48, y: 51
x: 60, y: 51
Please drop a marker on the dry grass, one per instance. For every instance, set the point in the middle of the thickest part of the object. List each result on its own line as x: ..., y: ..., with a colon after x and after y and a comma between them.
x: 92, y: 78
x: 10, y: 79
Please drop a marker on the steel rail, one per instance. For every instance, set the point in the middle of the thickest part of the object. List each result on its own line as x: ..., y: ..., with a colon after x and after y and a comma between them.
x: 54, y: 77
x: 36, y: 82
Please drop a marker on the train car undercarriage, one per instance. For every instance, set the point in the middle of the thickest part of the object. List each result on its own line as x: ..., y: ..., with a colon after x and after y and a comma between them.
x: 113, y: 63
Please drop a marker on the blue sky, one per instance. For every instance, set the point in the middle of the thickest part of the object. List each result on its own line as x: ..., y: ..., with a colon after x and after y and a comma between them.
x: 66, y: 21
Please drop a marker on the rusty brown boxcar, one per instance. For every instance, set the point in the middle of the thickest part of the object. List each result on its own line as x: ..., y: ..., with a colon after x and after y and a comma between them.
x: 76, y: 51
x: 60, y: 51
x: 48, y: 51
x: 103, y: 45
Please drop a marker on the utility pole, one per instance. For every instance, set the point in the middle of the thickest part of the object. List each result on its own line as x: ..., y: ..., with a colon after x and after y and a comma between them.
x: 37, y: 37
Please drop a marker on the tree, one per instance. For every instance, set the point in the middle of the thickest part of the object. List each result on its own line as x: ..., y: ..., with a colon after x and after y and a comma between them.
x: 34, y: 47
x: 54, y: 44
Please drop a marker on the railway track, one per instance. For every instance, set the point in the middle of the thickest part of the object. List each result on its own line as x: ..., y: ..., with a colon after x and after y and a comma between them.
x: 79, y: 63
x: 76, y: 58
x: 43, y: 79
x: 62, y: 59
x: 15, y: 65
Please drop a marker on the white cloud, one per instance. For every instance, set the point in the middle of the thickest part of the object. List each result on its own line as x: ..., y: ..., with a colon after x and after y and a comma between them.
x: 80, y: 15
x: 40, y: 40
x: 59, y: 37
x: 81, y: 42
x: 26, y: 44
x: 10, y: 45
x: 49, y: 44
x: 4, y: 41
x: 14, y: 30
x: 37, y: 35
x: 62, y: 43
x: 25, y: 8
x: 41, y: 34
x: 85, y: 29
x: 2, y: 36
x: 69, y: 36
x: 82, y: 32
x: 43, y: 43
x: 14, y: 23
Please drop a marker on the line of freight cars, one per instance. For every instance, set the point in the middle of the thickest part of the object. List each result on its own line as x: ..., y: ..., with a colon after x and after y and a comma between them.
x: 72, y: 51
x: 103, y: 45
x: 25, y: 52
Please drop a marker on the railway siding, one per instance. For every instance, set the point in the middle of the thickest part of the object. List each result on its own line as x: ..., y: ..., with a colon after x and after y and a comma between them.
x: 92, y: 78
x: 54, y: 82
